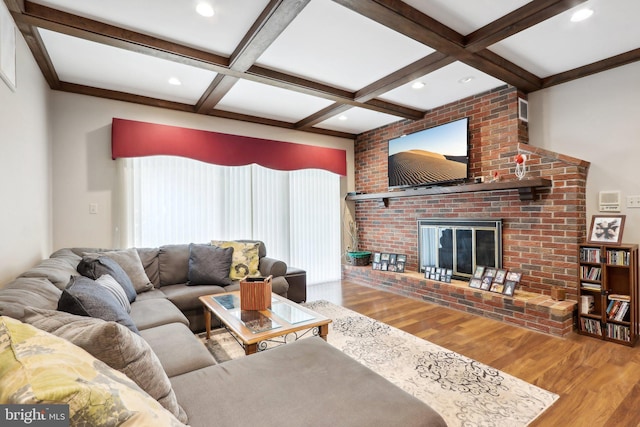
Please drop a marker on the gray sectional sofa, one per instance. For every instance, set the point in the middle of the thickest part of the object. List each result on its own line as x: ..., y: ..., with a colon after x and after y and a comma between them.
x: 305, y: 383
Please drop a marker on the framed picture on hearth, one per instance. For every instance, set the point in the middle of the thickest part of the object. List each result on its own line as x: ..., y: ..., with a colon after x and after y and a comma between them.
x: 500, y: 275
x: 376, y: 257
x: 475, y: 283
x: 509, y: 287
x: 479, y: 272
x: 399, y: 267
x: 606, y: 229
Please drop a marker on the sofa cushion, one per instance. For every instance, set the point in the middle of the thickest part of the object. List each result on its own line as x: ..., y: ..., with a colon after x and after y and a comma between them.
x: 245, y: 258
x: 154, y: 312
x: 192, y: 355
x: 209, y: 265
x: 110, y: 284
x: 186, y: 297
x: 149, y: 259
x: 28, y: 291
x: 130, y: 262
x: 95, y: 266
x: 85, y: 298
x: 36, y: 366
x: 351, y: 394
x: 173, y: 264
x: 56, y: 270
x: 114, y: 345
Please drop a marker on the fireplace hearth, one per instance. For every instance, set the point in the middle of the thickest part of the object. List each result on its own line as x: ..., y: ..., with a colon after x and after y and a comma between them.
x: 459, y: 244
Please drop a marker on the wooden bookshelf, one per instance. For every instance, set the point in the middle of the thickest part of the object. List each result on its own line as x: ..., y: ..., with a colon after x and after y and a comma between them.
x: 608, y: 292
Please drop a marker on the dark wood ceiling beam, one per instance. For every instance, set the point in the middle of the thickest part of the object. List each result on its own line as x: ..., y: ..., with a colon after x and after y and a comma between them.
x: 322, y: 115
x: 15, y: 6
x: 77, y: 26
x: 406, y: 20
x: 123, y: 96
x: 418, y: 69
x: 270, y: 24
x: 277, y: 123
x: 520, y: 19
x: 220, y: 86
x: 40, y: 54
x: 596, y: 67
x: 275, y: 18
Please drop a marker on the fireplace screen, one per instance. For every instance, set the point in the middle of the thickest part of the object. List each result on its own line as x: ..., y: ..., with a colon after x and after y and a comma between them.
x: 459, y: 244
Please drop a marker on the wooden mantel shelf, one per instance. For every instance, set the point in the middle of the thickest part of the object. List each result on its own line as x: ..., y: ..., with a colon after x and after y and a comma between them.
x: 526, y: 189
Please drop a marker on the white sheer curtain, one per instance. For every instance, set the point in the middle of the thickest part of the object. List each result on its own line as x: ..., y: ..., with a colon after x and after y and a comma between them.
x: 177, y: 200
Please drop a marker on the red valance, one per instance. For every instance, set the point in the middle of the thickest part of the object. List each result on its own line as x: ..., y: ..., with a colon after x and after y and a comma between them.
x: 138, y: 139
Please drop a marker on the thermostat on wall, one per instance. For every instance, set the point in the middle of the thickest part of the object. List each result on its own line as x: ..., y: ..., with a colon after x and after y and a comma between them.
x: 609, y: 201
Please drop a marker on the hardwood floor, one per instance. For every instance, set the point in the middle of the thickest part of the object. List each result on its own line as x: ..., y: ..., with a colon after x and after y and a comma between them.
x: 598, y: 382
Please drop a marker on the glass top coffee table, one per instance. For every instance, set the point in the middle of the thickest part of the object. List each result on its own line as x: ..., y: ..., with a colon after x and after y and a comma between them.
x: 284, y: 321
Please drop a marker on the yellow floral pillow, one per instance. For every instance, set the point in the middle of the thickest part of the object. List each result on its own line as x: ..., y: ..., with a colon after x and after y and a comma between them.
x: 245, y: 258
x: 39, y: 368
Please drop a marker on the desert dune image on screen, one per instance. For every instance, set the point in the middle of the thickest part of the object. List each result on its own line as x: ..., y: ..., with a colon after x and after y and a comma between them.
x: 431, y: 156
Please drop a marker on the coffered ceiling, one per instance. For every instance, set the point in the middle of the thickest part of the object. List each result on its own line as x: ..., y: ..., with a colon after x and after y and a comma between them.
x: 339, y: 67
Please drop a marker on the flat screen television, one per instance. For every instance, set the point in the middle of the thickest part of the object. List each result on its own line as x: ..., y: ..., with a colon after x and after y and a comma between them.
x: 438, y: 155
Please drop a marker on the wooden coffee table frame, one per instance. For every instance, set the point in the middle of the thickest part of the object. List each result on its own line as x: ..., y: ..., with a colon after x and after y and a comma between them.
x: 251, y: 341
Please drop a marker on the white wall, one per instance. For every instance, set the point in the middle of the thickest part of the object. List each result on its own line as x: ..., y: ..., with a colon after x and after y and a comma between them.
x: 84, y: 172
x: 25, y: 168
x: 596, y: 118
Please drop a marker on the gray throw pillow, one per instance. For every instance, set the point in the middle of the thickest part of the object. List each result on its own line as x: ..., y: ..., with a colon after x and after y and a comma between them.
x: 209, y: 265
x: 130, y: 261
x: 96, y: 266
x: 110, y: 284
x: 114, y: 345
x: 84, y: 297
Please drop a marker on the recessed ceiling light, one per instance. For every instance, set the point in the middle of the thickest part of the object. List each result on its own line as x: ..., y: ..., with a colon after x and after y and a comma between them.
x: 417, y: 85
x: 205, y: 9
x: 465, y: 79
x: 175, y: 81
x: 581, y: 15
x: 342, y: 117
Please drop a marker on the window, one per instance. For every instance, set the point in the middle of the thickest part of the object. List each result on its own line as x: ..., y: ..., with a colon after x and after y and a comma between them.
x: 171, y: 200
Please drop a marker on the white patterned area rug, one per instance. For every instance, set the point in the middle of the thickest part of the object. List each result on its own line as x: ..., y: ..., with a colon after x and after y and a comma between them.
x: 463, y: 391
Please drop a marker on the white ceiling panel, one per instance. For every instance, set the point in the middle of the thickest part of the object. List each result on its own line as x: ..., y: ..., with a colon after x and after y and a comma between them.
x: 330, y: 43
x: 448, y: 84
x: 173, y: 20
x: 465, y: 16
x: 247, y: 97
x: 357, y: 120
x: 559, y: 45
x: 92, y: 64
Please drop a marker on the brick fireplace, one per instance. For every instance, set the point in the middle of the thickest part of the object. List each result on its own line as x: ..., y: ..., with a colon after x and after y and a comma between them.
x: 540, y: 236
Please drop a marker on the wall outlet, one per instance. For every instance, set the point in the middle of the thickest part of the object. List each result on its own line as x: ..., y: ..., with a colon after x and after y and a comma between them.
x: 93, y: 208
x: 633, y: 201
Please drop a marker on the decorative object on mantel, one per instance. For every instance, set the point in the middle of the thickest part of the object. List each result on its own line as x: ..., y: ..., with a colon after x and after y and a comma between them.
x: 498, y: 280
x: 521, y: 165
x: 606, y: 229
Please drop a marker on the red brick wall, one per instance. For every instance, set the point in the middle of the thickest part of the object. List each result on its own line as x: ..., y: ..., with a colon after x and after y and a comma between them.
x: 540, y: 237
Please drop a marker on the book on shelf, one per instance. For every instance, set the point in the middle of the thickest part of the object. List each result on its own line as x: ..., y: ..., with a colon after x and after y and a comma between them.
x: 591, y: 286
x: 587, y: 304
x: 590, y: 255
x: 590, y: 273
x: 620, y: 297
x: 619, y: 257
x: 591, y: 326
